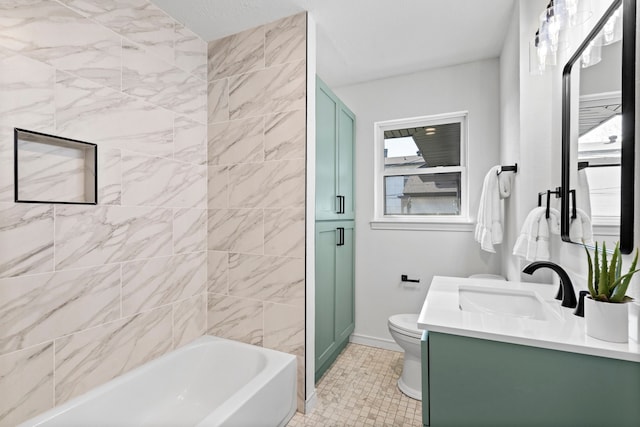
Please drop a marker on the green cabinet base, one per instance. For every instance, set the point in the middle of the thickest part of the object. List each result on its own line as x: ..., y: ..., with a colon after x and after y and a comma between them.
x: 489, y: 383
x: 424, y: 352
x: 320, y: 370
x: 335, y: 316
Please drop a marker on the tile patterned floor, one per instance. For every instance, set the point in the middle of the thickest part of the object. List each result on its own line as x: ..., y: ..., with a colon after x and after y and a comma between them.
x: 360, y: 390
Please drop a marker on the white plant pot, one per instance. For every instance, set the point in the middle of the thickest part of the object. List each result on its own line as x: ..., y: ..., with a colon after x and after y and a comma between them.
x: 607, y: 321
x: 634, y: 320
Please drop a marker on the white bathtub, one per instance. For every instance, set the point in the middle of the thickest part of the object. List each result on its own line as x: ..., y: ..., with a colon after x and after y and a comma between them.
x: 210, y: 382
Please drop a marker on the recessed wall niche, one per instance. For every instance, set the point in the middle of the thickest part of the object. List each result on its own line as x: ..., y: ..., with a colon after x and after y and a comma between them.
x: 53, y: 169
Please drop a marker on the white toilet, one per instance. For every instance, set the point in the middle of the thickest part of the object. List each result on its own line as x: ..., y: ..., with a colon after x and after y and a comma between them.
x: 404, y: 330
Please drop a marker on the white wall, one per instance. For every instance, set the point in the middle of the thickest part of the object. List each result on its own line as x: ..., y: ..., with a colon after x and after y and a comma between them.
x: 526, y: 128
x: 383, y: 255
x: 510, y: 132
x: 531, y: 108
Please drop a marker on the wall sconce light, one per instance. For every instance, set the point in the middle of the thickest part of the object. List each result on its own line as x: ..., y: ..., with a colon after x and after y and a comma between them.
x: 550, y: 38
x: 612, y: 31
x: 541, y: 54
x: 592, y: 54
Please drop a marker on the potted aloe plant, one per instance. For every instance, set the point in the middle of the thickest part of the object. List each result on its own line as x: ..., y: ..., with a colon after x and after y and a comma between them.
x: 605, y: 309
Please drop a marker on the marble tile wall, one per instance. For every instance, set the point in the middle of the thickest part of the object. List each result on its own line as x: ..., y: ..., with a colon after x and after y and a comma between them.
x: 256, y: 187
x: 90, y: 292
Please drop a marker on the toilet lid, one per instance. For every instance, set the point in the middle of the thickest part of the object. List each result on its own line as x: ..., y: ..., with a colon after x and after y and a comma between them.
x: 406, y: 324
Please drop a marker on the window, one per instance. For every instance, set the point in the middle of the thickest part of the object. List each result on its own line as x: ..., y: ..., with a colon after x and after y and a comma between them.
x: 421, y: 170
x: 599, y: 152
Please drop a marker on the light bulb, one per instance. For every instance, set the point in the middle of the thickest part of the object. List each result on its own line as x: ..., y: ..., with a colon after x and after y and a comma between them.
x: 553, y: 30
x: 543, y: 50
x: 585, y: 59
x: 571, y: 6
x: 608, y: 31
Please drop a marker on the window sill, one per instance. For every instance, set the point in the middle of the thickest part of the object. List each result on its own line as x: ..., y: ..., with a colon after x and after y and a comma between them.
x: 606, y: 225
x: 606, y: 230
x: 462, y: 224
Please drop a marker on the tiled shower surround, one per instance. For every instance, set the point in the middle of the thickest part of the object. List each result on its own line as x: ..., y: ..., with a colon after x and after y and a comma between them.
x: 90, y: 292
x: 256, y: 160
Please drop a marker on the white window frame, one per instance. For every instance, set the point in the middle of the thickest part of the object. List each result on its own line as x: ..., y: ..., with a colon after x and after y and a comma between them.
x: 602, y: 225
x: 460, y: 222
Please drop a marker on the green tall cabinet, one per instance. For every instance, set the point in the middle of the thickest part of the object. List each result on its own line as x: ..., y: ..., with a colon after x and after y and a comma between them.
x: 335, y: 127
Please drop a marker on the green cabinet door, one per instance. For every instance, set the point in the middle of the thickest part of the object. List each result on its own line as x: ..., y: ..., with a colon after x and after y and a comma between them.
x: 344, y: 303
x: 476, y: 382
x: 327, y: 204
x: 326, y: 240
x: 334, y: 291
x: 346, y: 132
x: 335, y: 127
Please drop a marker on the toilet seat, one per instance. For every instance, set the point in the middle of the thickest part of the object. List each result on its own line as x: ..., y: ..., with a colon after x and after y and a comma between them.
x: 406, y: 324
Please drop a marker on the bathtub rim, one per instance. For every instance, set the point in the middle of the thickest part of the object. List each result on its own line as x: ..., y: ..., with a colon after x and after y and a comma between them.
x: 233, y: 401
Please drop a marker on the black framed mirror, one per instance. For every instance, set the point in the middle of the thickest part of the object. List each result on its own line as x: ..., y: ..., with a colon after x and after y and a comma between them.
x: 598, y: 131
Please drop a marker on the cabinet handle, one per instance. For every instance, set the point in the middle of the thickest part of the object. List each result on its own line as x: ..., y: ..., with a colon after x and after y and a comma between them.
x: 340, y: 236
x: 341, y: 204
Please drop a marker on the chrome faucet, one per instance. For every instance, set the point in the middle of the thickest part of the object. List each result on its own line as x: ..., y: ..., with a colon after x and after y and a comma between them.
x: 565, y: 292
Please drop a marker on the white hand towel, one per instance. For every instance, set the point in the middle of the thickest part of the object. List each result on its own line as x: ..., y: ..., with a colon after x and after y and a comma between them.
x: 504, y: 184
x: 583, y: 194
x: 575, y: 230
x: 525, y: 246
x: 542, y: 240
x: 533, y: 242
x: 581, y: 229
x: 587, y: 226
x: 554, y: 221
x: 489, y: 220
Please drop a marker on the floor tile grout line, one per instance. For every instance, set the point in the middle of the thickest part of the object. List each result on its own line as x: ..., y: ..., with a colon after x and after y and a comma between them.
x: 360, y: 389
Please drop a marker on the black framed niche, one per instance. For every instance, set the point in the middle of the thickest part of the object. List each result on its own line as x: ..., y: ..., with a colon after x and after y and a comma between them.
x: 54, y: 169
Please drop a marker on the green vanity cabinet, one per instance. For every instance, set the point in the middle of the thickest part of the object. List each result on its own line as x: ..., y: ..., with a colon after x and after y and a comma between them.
x: 477, y: 382
x: 334, y: 291
x: 335, y: 127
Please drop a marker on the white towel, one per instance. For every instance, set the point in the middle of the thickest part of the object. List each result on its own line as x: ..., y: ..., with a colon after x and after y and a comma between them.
x: 504, y: 184
x: 489, y: 221
x: 583, y: 195
x: 542, y: 240
x: 581, y: 229
x: 525, y: 246
x: 533, y: 242
x: 554, y: 221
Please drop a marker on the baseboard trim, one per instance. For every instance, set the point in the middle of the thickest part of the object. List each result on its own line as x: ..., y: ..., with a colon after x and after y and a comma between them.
x: 374, y: 342
x: 311, y: 402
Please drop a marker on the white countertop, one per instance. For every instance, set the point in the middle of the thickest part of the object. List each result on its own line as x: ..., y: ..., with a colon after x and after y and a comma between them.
x: 564, y: 331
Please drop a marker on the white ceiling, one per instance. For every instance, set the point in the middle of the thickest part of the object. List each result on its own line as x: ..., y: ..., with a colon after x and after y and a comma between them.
x: 362, y: 40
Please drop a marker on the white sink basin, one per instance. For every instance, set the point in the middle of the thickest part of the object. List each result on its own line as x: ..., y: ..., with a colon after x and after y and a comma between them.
x: 503, y: 302
x: 521, y: 313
